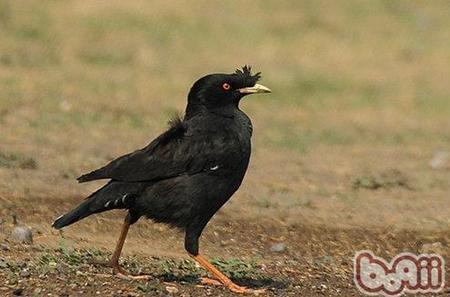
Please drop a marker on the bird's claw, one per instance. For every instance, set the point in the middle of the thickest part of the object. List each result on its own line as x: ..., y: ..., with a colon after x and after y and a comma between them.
x: 237, y: 289
x: 232, y: 286
x: 119, y: 270
x: 243, y: 290
x: 210, y: 281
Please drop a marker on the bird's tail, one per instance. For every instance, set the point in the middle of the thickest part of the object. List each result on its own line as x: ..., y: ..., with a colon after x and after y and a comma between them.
x: 114, y: 195
x: 83, y: 210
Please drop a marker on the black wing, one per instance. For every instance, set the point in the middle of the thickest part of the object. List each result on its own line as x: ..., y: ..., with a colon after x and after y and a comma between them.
x: 171, y: 154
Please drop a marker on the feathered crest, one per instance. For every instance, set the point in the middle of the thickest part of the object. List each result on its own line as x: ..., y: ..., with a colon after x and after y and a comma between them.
x: 246, y: 75
x: 177, y: 128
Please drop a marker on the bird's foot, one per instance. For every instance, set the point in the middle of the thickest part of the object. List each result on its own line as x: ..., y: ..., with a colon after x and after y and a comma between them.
x: 243, y: 290
x: 232, y: 286
x: 123, y: 274
x: 210, y: 281
x: 120, y: 272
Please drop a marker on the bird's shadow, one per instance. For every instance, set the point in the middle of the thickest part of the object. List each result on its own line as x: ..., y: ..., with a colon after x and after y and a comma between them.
x: 244, y: 281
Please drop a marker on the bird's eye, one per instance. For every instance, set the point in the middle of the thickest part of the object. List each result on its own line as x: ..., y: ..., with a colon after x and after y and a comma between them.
x: 226, y: 86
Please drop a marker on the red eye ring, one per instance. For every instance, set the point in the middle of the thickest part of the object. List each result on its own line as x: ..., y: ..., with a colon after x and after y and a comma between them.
x: 226, y: 86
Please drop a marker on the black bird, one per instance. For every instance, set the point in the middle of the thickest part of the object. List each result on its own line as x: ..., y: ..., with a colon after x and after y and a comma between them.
x: 187, y: 173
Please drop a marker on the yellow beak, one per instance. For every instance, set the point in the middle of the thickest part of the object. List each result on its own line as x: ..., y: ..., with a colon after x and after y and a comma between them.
x: 257, y: 88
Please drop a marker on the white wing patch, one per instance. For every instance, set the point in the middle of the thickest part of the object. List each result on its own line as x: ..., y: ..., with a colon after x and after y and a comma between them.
x: 118, y: 202
x: 124, y: 198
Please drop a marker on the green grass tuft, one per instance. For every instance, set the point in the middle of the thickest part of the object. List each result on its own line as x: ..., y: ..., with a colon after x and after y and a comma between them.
x: 17, y: 160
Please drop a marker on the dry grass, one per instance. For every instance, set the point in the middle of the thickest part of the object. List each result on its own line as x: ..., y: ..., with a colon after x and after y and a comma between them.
x: 360, y: 105
x: 360, y: 88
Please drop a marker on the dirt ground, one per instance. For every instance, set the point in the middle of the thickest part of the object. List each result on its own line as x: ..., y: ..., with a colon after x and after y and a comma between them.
x: 351, y: 151
x: 312, y: 260
x: 316, y: 261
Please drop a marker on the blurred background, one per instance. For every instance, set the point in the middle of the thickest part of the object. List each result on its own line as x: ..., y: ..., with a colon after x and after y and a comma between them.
x: 356, y: 134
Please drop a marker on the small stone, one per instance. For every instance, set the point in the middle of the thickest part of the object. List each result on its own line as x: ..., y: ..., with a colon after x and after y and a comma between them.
x: 278, y: 247
x: 37, y: 291
x: 18, y: 292
x: 4, y: 247
x: 440, y: 159
x: 24, y: 273
x: 65, y: 106
x: 171, y: 290
x: 22, y: 234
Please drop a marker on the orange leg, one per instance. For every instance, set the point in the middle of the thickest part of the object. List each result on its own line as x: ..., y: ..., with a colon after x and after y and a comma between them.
x: 114, y: 262
x: 222, y: 279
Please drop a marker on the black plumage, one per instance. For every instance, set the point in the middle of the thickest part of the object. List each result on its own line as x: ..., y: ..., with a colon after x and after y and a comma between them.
x: 187, y: 173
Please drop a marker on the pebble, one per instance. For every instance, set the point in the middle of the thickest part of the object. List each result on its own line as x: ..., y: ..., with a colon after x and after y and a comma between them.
x: 37, y: 291
x: 171, y: 290
x: 440, y: 159
x: 22, y: 234
x: 65, y: 106
x: 278, y: 247
x: 24, y: 273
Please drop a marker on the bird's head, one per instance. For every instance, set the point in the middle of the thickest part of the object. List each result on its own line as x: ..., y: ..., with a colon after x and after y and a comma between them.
x: 221, y: 91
